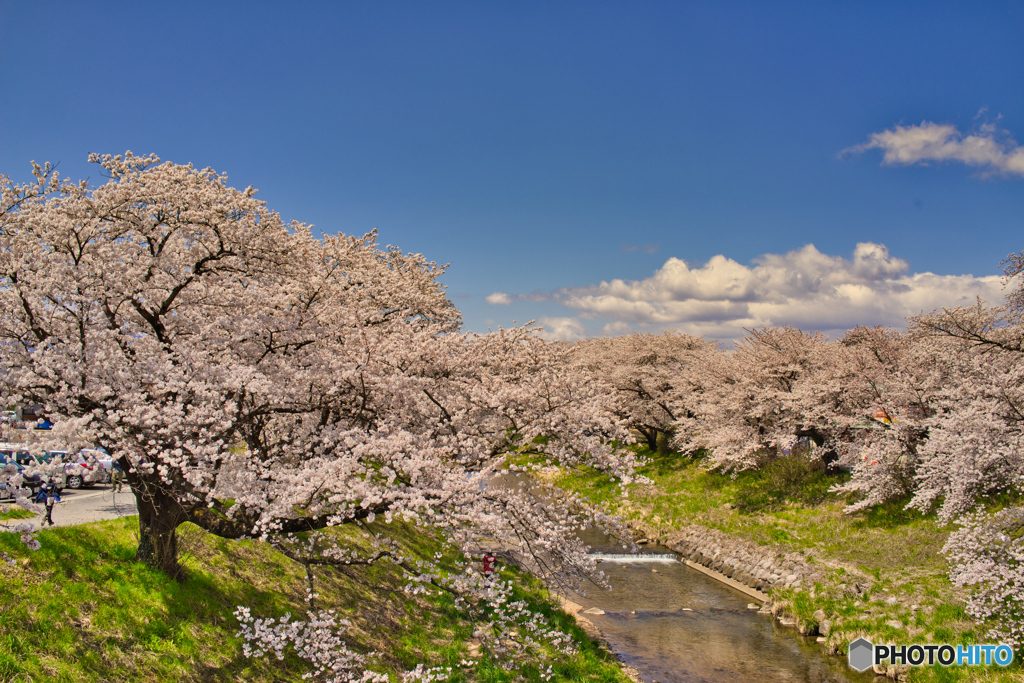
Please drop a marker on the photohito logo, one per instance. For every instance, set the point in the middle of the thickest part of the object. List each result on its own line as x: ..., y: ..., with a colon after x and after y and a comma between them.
x: 862, y: 653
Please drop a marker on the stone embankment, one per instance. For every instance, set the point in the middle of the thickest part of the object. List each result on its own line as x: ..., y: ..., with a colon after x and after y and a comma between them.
x: 765, y: 570
x: 748, y: 563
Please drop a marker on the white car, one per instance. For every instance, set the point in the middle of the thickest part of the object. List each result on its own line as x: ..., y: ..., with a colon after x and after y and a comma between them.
x: 83, y: 468
x: 102, y: 458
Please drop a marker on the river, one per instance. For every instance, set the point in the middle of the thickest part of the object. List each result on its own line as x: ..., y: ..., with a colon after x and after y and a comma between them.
x: 674, y: 624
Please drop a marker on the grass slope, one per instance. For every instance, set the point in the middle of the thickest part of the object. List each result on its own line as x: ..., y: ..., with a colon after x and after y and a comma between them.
x: 81, y: 609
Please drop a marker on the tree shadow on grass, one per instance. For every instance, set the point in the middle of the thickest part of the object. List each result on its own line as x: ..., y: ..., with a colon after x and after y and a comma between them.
x: 792, y: 479
x: 889, y: 515
x: 669, y: 464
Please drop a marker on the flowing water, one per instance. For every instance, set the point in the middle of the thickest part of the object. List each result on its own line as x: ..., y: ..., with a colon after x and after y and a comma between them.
x: 674, y: 624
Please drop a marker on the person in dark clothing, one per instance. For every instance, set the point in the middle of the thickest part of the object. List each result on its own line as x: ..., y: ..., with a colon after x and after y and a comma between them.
x: 49, y: 495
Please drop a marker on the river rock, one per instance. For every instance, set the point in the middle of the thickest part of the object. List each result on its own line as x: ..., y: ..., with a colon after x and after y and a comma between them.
x: 807, y: 628
x: 594, y: 610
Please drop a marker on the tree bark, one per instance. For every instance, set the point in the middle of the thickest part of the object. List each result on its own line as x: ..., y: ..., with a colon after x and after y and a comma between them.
x: 651, y: 436
x: 159, y: 517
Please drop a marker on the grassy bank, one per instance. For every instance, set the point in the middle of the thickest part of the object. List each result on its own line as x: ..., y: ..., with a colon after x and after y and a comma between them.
x: 81, y: 609
x: 893, y: 554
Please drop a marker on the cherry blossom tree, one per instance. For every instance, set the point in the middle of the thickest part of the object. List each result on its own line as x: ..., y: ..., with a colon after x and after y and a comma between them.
x: 975, y: 450
x: 947, y: 397
x: 987, y: 555
x: 778, y: 385
x: 254, y: 379
x: 889, y: 380
x: 653, y: 376
x: 259, y: 381
x: 1013, y: 268
x: 976, y: 431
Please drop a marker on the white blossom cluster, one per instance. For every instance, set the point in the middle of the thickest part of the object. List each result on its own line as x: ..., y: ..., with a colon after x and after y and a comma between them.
x: 507, y: 628
x: 987, y: 553
x: 11, y: 483
x: 26, y: 534
x: 423, y: 674
x: 317, y: 641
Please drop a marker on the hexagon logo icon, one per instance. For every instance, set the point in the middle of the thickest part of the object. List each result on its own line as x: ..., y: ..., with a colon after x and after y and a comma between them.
x: 861, y: 654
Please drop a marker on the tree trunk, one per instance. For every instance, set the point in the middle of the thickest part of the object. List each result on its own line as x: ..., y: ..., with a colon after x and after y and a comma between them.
x: 651, y: 436
x: 664, y: 442
x: 159, y: 518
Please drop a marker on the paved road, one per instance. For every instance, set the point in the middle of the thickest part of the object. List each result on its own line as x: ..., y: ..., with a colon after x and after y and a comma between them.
x: 93, y: 504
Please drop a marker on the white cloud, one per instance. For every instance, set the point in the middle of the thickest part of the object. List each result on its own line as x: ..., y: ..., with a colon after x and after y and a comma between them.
x: 562, y: 329
x: 989, y: 148
x: 498, y: 298
x: 804, y: 288
x: 616, y: 328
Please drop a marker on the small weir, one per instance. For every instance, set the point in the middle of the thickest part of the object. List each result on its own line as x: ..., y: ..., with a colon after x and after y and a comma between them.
x: 634, y: 557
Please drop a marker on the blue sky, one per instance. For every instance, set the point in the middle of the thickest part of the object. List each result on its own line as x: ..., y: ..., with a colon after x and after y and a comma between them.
x: 602, y: 167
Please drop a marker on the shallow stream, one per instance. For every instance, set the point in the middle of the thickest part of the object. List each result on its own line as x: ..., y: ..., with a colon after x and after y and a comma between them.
x: 674, y: 624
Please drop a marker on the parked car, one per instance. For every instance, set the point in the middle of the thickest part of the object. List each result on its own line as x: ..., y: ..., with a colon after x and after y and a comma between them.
x: 36, y: 466
x: 31, y: 482
x: 80, y: 469
x: 66, y: 469
x: 102, y: 458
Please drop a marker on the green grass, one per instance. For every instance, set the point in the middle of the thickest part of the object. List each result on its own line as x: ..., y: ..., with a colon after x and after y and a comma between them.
x: 82, y: 609
x: 788, y: 506
x: 11, y: 512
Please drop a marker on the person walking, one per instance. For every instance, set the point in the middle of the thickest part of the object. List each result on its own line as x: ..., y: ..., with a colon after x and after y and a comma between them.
x: 117, y: 476
x: 49, y: 495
